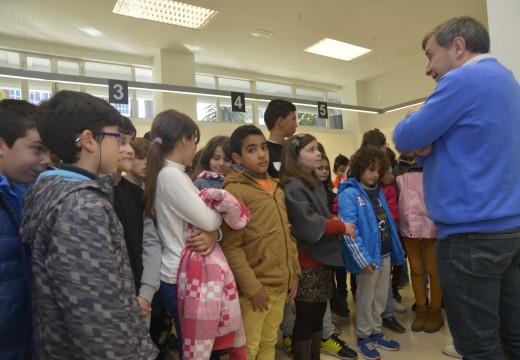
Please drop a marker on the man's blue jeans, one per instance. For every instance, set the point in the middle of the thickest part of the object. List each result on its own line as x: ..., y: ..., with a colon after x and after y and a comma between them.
x: 480, y: 280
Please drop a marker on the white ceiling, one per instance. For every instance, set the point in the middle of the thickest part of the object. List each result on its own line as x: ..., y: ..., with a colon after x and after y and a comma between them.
x: 393, y: 28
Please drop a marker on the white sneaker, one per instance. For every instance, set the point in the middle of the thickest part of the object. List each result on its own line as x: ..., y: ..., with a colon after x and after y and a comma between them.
x: 451, y: 351
x: 398, y: 307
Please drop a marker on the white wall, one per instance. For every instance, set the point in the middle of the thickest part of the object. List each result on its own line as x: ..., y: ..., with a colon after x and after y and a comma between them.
x: 504, y: 29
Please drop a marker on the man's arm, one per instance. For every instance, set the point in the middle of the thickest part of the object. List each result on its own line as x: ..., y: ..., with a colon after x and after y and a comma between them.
x: 441, y: 111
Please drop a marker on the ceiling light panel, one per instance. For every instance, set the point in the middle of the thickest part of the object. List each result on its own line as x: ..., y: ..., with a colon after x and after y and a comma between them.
x: 337, y: 49
x: 166, y: 11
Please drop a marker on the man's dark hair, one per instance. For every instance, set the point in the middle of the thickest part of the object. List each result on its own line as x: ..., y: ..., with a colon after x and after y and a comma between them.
x: 67, y: 114
x: 240, y: 133
x: 474, y: 34
x: 340, y: 160
x: 277, y: 108
x: 16, y: 117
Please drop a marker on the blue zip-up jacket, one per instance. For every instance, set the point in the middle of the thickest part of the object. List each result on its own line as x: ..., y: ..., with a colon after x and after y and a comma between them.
x: 355, y: 208
x: 15, y: 274
x: 472, y: 175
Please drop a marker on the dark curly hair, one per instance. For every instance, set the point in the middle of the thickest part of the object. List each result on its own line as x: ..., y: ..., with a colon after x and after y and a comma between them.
x: 366, y: 157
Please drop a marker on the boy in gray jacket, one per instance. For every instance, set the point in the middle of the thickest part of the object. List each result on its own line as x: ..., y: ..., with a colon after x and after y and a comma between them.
x: 83, y: 291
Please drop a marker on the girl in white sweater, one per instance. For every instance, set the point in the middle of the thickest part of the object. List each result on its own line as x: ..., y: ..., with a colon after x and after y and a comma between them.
x: 173, y: 200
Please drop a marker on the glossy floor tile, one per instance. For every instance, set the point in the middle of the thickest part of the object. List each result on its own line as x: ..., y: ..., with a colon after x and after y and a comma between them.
x: 414, y: 345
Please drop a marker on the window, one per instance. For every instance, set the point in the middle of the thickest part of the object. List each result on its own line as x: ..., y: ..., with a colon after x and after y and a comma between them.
x: 67, y: 67
x: 39, y: 91
x: 207, y: 108
x: 234, y: 85
x: 15, y: 94
x: 143, y: 103
x: 143, y: 74
x: 307, y: 115
x: 108, y: 71
x: 273, y: 89
x: 219, y: 109
x: 124, y: 109
x: 310, y: 94
x: 334, y: 97
x: 205, y: 82
x: 10, y: 89
x: 38, y: 64
x: 227, y: 115
x: 9, y: 59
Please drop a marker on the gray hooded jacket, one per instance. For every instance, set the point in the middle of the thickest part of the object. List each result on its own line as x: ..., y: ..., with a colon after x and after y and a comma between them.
x: 83, y: 292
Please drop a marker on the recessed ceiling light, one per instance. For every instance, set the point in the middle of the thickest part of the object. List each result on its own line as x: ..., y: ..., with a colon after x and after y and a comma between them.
x: 261, y: 33
x: 337, y: 49
x: 166, y: 11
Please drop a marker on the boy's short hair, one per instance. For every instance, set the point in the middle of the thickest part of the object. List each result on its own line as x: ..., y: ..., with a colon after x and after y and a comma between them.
x: 240, y: 133
x: 141, y: 146
x: 340, y: 160
x: 277, y: 108
x: 366, y: 157
x: 128, y: 128
x: 67, y: 114
x: 16, y: 117
x: 373, y: 137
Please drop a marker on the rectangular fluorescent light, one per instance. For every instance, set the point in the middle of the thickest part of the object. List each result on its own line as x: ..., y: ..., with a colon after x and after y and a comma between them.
x: 166, y: 11
x: 337, y: 49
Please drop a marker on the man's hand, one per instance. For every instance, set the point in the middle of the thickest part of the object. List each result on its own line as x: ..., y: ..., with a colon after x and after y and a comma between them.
x: 424, y: 151
x: 413, y: 109
x: 260, y: 301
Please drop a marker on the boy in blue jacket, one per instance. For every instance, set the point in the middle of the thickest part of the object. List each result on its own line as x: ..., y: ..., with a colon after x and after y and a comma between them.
x: 22, y: 158
x: 374, y: 250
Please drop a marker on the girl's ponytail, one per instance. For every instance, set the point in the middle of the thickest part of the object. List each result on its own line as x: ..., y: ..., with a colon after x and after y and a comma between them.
x: 168, y: 128
x: 155, y: 162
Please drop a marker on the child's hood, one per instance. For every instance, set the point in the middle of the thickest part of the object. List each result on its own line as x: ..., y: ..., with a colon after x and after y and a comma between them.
x: 351, y: 182
x: 49, y: 191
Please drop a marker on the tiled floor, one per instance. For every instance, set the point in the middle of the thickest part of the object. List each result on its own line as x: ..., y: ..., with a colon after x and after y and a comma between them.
x: 414, y: 345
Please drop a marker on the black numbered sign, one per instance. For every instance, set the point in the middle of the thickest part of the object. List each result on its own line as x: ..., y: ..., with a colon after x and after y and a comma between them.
x: 238, y: 102
x: 118, y: 91
x: 323, y: 112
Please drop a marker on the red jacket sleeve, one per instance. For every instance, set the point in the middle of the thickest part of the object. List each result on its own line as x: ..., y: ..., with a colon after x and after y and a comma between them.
x: 391, y: 199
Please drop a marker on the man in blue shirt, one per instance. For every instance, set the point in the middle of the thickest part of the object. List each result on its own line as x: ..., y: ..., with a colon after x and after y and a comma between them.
x: 467, y: 136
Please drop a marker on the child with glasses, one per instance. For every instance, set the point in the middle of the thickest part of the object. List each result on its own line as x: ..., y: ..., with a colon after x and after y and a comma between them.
x: 83, y: 291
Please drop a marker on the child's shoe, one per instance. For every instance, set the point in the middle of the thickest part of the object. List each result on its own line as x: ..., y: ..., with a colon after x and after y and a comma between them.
x: 367, y: 348
x: 420, y: 318
x: 338, y: 348
x: 382, y: 342
x: 287, y: 344
x: 434, y: 321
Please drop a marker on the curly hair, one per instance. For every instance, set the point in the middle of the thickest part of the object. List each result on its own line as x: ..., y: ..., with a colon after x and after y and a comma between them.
x: 367, y: 157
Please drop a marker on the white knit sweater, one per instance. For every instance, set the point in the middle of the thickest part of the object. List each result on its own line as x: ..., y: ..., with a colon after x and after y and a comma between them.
x: 177, y: 203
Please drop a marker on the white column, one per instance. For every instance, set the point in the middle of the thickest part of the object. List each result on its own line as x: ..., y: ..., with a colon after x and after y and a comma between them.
x: 504, y: 28
x: 174, y: 68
